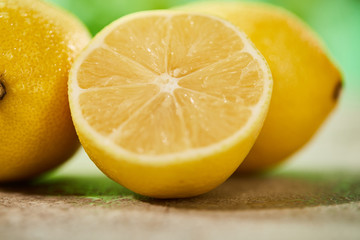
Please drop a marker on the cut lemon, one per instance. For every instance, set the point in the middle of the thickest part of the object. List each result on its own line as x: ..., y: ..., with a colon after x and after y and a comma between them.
x: 168, y: 103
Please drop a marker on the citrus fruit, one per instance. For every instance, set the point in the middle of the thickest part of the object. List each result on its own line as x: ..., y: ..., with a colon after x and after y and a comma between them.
x: 38, y: 45
x: 306, y: 81
x: 168, y: 103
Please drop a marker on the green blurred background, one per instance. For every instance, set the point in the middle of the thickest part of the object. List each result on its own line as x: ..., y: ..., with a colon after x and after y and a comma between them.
x: 336, y: 21
x: 336, y: 146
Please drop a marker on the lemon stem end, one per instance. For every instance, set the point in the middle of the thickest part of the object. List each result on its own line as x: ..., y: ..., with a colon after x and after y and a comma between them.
x: 2, y: 90
x: 337, y: 90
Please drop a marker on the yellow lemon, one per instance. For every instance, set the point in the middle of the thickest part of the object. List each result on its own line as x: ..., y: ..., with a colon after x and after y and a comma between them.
x: 168, y: 104
x: 38, y: 45
x: 306, y: 81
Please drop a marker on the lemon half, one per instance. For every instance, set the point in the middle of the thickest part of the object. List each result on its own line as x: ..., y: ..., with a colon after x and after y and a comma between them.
x: 168, y: 103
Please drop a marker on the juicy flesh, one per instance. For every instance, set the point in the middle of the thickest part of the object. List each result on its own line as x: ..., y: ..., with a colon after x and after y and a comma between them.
x: 162, y: 84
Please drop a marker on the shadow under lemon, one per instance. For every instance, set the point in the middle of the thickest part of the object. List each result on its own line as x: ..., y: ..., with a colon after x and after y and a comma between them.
x: 272, y: 191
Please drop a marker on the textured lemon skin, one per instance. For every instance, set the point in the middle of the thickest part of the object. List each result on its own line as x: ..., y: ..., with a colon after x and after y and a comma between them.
x: 178, y: 179
x: 172, y: 177
x: 306, y: 81
x: 38, y: 44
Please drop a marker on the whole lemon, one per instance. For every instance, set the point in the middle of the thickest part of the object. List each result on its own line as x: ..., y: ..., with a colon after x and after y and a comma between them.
x: 306, y: 82
x: 38, y: 45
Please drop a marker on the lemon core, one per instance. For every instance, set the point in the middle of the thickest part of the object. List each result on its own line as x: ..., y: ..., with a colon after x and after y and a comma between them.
x: 167, y: 83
